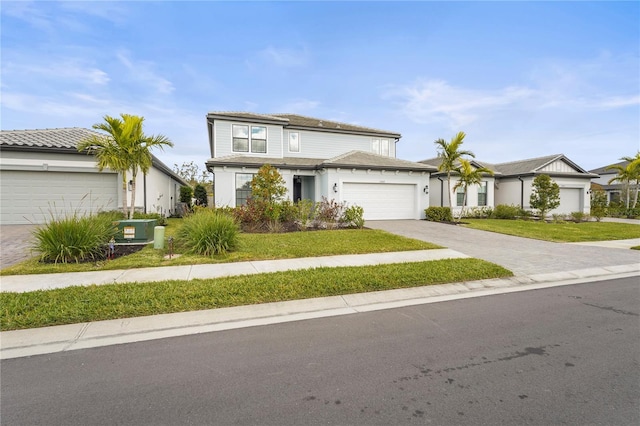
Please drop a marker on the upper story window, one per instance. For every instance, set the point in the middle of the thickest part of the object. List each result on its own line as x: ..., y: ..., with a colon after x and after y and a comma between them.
x: 243, y: 143
x: 294, y: 142
x: 380, y: 146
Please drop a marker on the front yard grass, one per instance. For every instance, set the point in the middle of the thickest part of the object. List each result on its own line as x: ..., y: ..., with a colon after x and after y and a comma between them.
x: 94, y: 303
x: 569, y: 232
x: 252, y: 247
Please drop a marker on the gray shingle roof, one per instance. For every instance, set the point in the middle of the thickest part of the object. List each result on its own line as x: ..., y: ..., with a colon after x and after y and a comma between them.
x: 353, y: 159
x: 603, y: 169
x: 436, y: 161
x: 526, y: 166
x: 59, y: 139
x: 301, y: 121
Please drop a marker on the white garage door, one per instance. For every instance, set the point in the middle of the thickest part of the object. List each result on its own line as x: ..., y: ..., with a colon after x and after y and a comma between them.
x: 382, y: 200
x: 570, y: 201
x: 31, y: 197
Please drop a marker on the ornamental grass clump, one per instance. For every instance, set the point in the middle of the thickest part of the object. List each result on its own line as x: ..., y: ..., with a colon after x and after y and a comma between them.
x: 208, y: 232
x: 74, y: 238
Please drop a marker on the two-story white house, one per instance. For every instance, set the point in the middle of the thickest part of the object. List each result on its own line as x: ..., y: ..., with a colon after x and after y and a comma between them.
x: 512, y: 182
x: 317, y: 158
x: 616, y: 191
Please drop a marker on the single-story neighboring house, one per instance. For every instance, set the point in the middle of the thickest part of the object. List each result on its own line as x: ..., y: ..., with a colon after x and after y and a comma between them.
x: 511, y: 184
x: 613, y: 190
x: 42, y: 175
x: 317, y: 158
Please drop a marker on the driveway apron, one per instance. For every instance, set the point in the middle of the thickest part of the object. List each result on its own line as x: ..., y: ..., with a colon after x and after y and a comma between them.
x: 523, y: 256
x: 15, y: 241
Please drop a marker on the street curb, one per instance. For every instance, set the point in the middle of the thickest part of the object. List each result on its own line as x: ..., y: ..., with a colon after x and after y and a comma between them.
x: 22, y: 343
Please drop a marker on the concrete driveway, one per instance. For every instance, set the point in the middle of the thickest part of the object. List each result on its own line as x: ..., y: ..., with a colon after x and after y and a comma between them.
x: 523, y: 256
x: 15, y: 242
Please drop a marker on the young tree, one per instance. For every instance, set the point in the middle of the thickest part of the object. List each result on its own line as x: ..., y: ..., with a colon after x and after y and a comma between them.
x: 469, y: 176
x: 450, y: 154
x: 191, y: 173
x: 545, y: 195
x: 268, y: 185
x: 124, y: 148
x: 200, y: 194
x: 186, y: 194
x: 598, y: 203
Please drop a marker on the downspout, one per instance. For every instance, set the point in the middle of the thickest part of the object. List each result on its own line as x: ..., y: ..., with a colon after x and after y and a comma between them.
x: 441, y: 191
x: 521, y: 192
x: 144, y: 185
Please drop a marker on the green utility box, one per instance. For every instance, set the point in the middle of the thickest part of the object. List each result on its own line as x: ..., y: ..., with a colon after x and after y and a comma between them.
x: 135, y: 231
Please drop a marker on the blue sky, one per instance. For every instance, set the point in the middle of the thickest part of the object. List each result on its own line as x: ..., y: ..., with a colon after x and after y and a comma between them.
x: 522, y: 79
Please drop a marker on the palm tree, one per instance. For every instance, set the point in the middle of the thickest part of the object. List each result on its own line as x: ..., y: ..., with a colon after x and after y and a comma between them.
x: 124, y: 148
x: 629, y: 173
x: 468, y: 176
x: 450, y: 154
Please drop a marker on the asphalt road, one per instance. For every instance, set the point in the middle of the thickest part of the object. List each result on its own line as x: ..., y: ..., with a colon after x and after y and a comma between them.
x: 565, y: 355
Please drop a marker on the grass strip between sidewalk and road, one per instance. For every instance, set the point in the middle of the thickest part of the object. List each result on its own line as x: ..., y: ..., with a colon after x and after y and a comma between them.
x: 252, y: 247
x: 567, y: 232
x: 94, y: 303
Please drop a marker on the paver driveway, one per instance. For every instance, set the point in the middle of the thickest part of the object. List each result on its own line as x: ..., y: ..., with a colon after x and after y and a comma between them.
x: 14, y: 244
x: 523, y: 256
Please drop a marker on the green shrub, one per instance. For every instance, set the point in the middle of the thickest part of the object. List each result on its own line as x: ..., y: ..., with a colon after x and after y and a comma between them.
x: 200, y: 194
x: 557, y: 218
x: 504, y: 211
x: 439, y: 214
x: 186, y: 194
x: 598, y: 204
x: 304, y: 213
x: 74, y: 238
x: 161, y: 220
x: 353, y: 217
x: 578, y: 216
x: 208, y: 232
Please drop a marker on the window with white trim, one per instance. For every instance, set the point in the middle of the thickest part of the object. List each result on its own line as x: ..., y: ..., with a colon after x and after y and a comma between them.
x: 294, y: 142
x: 380, y: 146
x: 482, y: 194
x: 460, y: 196
x: 247, y: 139
x: 243, y: 188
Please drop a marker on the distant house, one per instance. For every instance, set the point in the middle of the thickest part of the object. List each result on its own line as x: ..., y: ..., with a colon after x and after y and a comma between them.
x: 614, y: 190
x: 317, y: 158
x: 42, y: 174
x: 512, y: 184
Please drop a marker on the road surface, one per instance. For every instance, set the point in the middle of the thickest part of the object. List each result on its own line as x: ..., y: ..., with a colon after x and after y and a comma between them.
x: 565, y: 355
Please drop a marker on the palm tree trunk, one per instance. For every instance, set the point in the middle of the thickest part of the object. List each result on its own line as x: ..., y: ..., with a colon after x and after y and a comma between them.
x: 124, y: 195
x: 449, y: 189
x: 635, y: 197
x: 464, y: 202
x: 133, y: 192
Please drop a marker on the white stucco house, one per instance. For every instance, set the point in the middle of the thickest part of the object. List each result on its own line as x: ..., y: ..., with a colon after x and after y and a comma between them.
x: 512, y: 184
x: 317, y: 158
x: 43, y: 174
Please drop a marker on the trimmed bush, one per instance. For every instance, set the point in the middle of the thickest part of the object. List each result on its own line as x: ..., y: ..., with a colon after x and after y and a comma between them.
x: 353, y: 217
x: 439, y: 214
x: 200, y: 194
x: 208, y: 232
x: 578, y: 216
x: 74, y: 238
x: 504, y: 211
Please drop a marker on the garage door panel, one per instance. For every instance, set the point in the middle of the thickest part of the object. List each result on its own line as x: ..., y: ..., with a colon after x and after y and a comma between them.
x: 382, y: 201
x: 570, y: 201
x: 33, y: 197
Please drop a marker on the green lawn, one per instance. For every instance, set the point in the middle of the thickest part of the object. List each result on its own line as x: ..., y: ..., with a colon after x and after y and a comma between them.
x: 93, y: 303
x: 252, y: 247
x: 558, y: 232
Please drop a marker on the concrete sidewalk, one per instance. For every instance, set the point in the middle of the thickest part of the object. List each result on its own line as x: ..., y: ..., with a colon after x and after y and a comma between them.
x: 21, y: 343
x: 24, y: 283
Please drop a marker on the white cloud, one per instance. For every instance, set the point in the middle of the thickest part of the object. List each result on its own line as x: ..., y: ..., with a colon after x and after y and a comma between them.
x: 437, y: 100
x: 285, y: 57
x: 143, y: 72
x: 69, y: 69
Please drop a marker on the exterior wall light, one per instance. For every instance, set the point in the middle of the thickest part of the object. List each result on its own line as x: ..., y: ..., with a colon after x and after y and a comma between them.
x: 426, y: 189
x: 335, y: 188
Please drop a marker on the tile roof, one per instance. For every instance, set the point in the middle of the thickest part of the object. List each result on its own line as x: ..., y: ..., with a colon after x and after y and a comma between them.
x: 64, y: 138
x: 301, y: 121
x: 361, y: 159
x: 353, y: 159
x: 61, y: 139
